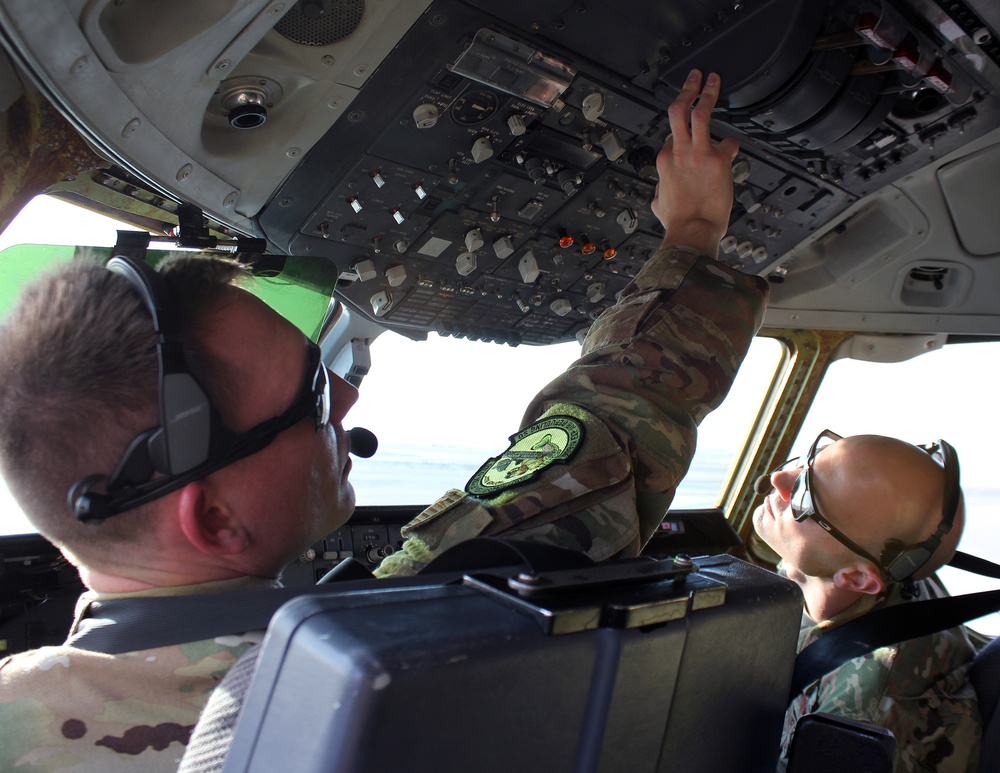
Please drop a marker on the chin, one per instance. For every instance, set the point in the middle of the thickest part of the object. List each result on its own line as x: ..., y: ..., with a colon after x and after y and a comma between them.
x: 343, y: 507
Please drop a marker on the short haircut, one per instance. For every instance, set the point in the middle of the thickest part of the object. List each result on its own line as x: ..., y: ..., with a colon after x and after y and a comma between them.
x: 79, y: 379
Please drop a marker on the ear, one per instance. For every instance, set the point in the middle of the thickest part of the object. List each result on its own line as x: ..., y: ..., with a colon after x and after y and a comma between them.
x: 859, y: 578
x: 207, y: 523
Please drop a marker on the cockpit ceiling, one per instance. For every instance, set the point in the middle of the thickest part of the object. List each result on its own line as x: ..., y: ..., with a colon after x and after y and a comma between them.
x: 484, y: 169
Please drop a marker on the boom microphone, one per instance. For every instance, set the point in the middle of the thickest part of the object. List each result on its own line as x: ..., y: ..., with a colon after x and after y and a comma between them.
x: 763, y: 485
x: 363, y: 442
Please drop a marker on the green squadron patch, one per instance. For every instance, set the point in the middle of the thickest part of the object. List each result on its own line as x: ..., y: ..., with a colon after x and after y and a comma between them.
x: 553, y: 439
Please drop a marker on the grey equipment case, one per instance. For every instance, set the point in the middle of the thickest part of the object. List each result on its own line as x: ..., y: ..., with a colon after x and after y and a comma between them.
x: 635, y: 666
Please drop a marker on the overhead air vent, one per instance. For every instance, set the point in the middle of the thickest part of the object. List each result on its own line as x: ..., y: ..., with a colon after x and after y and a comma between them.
x: 933, y: 286
x: 321, y: 22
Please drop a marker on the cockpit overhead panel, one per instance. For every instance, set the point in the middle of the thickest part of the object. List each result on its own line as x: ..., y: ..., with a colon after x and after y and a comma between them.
x: 484, y: 169
x: 493, y: 178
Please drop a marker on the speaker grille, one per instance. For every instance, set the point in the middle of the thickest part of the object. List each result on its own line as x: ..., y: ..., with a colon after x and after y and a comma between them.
x: 321, y: 22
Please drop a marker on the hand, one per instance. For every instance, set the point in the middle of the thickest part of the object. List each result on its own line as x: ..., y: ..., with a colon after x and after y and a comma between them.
x: 694, y: 196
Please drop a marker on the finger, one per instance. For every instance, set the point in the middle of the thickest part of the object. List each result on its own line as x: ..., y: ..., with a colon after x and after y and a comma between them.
x: 680, y: 109
x: 701, y: 115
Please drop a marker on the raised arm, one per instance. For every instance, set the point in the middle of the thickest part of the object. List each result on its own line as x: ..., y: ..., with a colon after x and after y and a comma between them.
x: 602, y: 448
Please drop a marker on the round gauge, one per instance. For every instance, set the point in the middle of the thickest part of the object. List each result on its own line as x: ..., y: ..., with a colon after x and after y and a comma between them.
x: 474, y: 107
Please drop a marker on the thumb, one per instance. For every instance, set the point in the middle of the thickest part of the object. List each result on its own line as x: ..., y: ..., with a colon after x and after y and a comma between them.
x: 730, y: 146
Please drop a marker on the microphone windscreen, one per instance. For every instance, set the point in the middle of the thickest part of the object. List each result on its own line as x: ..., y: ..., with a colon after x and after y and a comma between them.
x: 763, y: 485
x: 363, y: 442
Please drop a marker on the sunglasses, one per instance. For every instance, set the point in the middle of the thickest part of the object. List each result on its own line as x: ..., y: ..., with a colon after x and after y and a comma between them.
x: 313, y: 399
x: 130, y: 485
x: 898, y: 561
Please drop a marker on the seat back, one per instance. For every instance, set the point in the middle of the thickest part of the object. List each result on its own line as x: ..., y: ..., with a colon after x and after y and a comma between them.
x: 687, y: 674
x: 212, y: 736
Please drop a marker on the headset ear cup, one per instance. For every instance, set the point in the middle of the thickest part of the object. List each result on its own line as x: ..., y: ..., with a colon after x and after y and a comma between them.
x: 891, y: 551
x: 186, y: 422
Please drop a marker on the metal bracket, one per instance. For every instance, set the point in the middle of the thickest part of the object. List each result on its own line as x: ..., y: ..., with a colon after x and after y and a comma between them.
x: 627, y: 594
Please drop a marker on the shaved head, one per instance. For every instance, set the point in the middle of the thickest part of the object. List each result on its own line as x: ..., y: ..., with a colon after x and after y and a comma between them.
x: 877, y: 488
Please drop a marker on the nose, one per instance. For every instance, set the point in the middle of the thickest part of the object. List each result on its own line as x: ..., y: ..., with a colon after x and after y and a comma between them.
x: 342, y: 397
x: 783, y: 481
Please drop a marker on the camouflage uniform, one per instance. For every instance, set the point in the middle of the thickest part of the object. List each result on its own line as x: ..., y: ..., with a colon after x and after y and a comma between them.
x: 71, y: 710
x: 652, y: 367
x: 919, y: 689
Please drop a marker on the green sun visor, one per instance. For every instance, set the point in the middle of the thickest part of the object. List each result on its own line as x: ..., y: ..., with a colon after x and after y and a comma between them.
x: 298, y: 288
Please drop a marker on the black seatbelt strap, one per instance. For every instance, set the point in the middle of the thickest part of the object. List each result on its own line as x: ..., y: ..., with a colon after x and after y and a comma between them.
x: 131, y: 624
x: 975, y: 565
x: 892, y: 625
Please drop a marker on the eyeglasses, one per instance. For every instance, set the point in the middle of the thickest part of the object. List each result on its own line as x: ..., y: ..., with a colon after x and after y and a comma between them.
x: 132, y: 485
x: 898, y: 561
x: 314, y: 398
x: 320, y: 392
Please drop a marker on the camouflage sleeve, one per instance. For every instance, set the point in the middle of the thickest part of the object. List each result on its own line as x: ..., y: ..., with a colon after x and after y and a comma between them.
x: 603, y: 446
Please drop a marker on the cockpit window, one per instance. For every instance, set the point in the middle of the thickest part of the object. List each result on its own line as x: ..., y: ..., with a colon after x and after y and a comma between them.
x: 441, y: 407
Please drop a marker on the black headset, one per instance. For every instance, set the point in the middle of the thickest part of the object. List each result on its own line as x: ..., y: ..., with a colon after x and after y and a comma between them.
x: 189, y: 430
x: 190, y: 441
